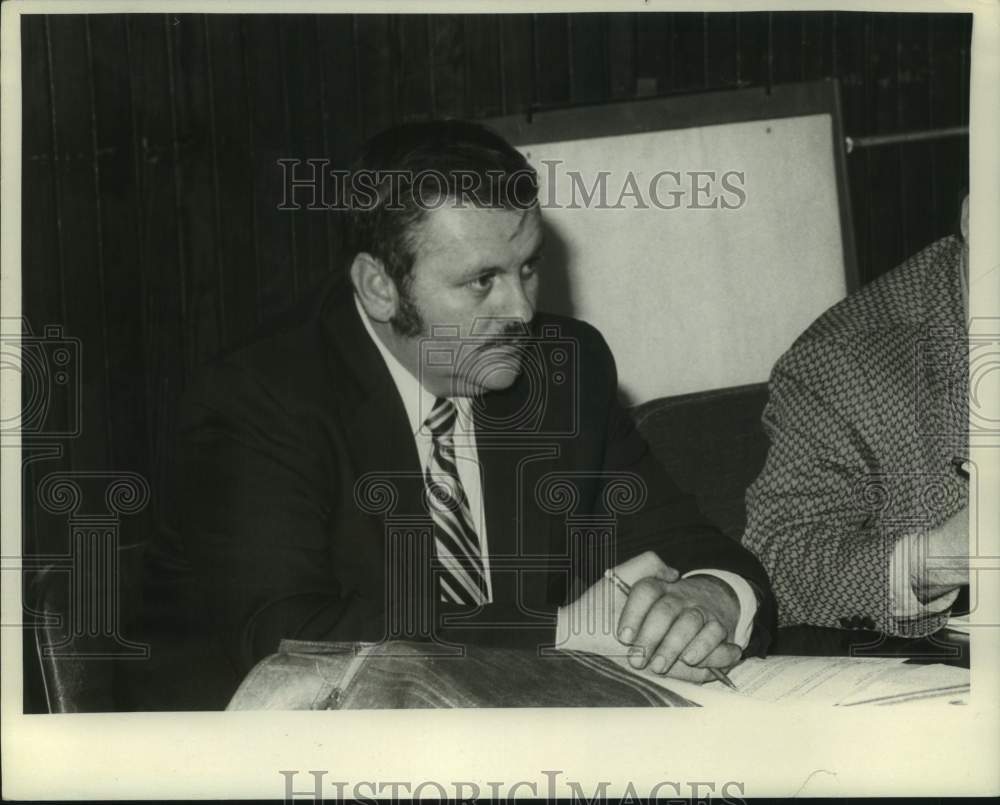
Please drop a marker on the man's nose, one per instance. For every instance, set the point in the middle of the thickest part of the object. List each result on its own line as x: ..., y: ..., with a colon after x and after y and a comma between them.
x: 519, y: 302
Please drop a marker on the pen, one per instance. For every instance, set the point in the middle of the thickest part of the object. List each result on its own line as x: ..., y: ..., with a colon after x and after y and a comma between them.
x: 626, y: 588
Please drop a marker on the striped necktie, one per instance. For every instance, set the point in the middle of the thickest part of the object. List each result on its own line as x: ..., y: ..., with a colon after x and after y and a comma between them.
x: 462, y: 580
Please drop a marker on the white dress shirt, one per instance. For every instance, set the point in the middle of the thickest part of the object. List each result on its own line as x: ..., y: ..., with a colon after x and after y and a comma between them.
x: 418, y: 403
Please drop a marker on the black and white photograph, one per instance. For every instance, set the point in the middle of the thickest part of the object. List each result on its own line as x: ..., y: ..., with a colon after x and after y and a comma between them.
x: 563, y: 363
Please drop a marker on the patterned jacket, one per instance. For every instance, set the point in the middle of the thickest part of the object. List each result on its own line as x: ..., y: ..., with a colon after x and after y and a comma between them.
x: 868, y: 412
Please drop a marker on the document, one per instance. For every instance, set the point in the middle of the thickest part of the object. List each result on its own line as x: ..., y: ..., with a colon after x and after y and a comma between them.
x: 843, y: 681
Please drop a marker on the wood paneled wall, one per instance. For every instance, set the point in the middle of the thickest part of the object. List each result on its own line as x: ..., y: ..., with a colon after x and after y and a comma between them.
x: 150, y: 147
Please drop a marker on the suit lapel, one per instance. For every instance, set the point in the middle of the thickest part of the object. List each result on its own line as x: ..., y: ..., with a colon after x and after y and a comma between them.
x: 372, y: 408
x: 380, y: 486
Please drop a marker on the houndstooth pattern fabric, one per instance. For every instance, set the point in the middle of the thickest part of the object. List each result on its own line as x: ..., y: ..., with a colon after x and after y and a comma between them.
x: 867, y: 413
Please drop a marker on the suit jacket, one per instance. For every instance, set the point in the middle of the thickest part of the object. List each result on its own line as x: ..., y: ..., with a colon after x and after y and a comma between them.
x: 298, y: 488
x: 867, y: 411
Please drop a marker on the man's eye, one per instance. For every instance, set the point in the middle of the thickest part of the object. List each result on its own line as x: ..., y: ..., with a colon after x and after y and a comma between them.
x: 529, y: 269
x: 482, y: 283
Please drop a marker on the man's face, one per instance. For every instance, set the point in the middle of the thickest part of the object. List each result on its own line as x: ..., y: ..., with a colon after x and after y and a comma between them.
x: 472, y: 293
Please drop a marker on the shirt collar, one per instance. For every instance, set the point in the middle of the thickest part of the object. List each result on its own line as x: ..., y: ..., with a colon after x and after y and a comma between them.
x: 417, y: 400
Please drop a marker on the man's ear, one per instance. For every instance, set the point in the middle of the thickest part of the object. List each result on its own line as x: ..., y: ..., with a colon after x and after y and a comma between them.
x: 375, y: 289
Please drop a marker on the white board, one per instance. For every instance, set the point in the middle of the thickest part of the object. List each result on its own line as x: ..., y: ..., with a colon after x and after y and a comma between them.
x: 696, y: 299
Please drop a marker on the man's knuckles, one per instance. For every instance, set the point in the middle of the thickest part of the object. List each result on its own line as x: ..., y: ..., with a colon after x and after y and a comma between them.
x: 649, y: 588
x: 645, y: 564
x: 724, y: 655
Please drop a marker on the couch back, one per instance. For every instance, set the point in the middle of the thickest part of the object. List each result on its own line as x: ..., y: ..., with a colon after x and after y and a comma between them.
x: 713, y: 444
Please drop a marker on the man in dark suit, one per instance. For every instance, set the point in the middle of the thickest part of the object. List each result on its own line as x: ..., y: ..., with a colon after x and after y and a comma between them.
x: 417, y: 438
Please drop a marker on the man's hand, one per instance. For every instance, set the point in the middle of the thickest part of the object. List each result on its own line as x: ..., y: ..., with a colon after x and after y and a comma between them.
x: 681, y: 627
x: 686, y: 623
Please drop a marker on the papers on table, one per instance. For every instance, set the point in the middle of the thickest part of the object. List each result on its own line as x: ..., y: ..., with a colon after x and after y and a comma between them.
x: 848, y: 680
x: 844, y: 681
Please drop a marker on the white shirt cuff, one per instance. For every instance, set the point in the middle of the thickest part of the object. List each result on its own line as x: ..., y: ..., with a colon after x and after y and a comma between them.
x: 747, y: 598
x: 903, y: 600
